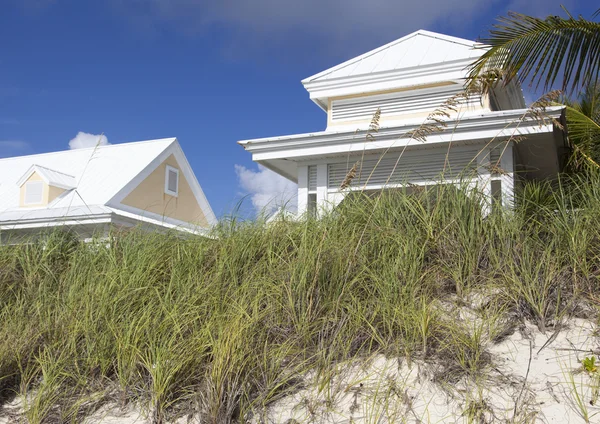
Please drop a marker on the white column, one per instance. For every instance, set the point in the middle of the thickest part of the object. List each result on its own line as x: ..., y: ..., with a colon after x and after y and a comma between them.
x: 302, y: 189
x: 507, y: 185
x: 322, y: 203
x: 484, y: 183
x: 335, y: 198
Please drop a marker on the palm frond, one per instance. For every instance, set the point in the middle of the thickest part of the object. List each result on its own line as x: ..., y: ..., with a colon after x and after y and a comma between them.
x: 583, y: 130
x: 541, y: 50
x: 588, y: 101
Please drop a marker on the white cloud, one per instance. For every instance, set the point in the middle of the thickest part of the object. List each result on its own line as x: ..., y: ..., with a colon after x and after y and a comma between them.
x: 268, y: 191
x: 83, y: 140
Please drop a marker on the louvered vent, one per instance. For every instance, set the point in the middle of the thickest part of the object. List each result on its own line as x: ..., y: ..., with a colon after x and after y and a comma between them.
x: 171, y: 180
x: 312, y: 178
x: 394, y: 104
x: 413, y: 167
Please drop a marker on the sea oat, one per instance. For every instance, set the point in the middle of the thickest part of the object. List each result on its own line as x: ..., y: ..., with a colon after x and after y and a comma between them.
x: 350, y: 176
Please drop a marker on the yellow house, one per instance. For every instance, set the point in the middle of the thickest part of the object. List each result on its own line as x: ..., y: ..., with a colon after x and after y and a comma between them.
x: 146, y: 183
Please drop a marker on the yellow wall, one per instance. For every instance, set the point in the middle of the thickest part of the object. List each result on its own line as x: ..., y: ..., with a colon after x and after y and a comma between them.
x: 150, y: 196
x: 33, y: 177
x: 54, y: 192
x: 49, y: 193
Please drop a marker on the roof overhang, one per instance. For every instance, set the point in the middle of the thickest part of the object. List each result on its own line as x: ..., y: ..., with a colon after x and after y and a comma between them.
x: 92, y: 215
x: 322, y: 90
x: 476, y: 128
x: 53, y: 218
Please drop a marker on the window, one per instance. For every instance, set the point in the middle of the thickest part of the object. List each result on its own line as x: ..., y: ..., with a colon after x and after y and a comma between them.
x: 33, y: 192
x: 496, y: 187
x: 312, y: 205
x: 172, y: 181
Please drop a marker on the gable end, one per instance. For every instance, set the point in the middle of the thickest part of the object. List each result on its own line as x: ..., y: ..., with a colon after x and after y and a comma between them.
x: 156, y: 196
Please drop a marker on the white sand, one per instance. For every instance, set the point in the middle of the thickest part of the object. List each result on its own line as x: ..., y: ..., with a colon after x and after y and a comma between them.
x: 396, y: 392
x: 380, y: 390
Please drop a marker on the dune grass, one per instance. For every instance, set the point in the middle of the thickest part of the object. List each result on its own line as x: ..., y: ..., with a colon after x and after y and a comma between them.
x: 222, y: 327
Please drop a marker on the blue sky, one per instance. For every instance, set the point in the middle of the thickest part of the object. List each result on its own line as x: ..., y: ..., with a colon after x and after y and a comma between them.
x: 207, y: 72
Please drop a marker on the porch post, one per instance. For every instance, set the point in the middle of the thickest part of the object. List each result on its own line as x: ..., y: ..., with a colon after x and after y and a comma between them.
x: 302, y: 189
x: 484, y: 180
x: 334, y: 198
x: 321, y: 187
x: 507, y: 185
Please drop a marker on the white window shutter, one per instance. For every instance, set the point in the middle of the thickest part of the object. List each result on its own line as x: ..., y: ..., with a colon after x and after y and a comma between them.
x: 415, y: 166
x: 312, y: 178
x: 34, y: 192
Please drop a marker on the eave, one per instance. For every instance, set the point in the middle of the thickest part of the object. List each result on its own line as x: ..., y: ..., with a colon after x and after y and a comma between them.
x: 107, y: 216
x: 466, y: 130
x: 321, y: 91
x: 44, y: 222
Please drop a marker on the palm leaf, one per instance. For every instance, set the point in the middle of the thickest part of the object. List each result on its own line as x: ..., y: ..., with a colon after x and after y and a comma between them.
x: 526, y: 47
x: 588, y: 102
x: 583, y: 117
x: 583, y: 130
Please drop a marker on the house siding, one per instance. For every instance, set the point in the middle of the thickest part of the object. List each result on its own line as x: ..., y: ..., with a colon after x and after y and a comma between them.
x: 150, y: 196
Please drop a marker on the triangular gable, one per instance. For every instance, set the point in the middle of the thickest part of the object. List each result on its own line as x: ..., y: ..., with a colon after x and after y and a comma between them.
x: 50, y: 177
x: 144, y: 195
x: 417, y: 60
x: 419, y: 48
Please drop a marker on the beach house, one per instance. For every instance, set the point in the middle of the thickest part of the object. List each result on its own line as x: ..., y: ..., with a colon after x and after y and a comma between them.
x: 398, y: 116
x: 148, y: 184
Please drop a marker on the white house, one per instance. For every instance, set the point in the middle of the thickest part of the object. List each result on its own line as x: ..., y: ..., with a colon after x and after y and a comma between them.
x: 491, y: 139
x: 148, y: 184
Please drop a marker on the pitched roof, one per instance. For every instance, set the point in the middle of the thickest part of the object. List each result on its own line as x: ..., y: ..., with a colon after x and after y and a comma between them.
x: 98, y: 173
x: 421, y: 48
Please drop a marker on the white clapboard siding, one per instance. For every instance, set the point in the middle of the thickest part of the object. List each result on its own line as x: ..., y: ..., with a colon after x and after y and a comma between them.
x: 495, y: 155
x: 312, y: 178
x: 414, y: 101
x: 413, y: 167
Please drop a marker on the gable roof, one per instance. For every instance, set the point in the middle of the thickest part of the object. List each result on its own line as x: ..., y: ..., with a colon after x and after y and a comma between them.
x: 420, y: 58
x: 419, y: 48
x: 97, y: 174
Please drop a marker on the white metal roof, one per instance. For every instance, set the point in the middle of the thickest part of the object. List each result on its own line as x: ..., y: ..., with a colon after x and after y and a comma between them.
x: 420, y: 58
x: 98, y: 173
x: 420, y: 48
x: 95, y: 179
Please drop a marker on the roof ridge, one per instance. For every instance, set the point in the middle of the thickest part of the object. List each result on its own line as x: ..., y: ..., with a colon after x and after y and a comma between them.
x: 53, y: 170
x: 90, y: 148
